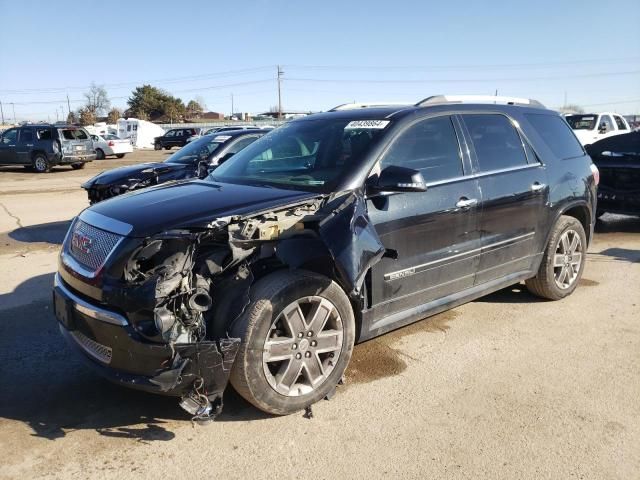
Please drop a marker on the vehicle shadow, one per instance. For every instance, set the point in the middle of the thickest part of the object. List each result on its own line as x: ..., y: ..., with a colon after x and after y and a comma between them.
x: 609, y: 223
x: 52, y: 233
x: 517, y: 293
x: 21, y: 169
x: 622, y: 254
x: 48, y: 386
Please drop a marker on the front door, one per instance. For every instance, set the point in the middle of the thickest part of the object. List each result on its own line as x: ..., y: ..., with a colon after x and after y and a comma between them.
x: 8, y: 147
x: 514, y: 193
x: 434, y: 234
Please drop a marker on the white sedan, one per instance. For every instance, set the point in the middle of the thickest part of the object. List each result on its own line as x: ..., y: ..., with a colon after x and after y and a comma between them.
x: 105, y: 145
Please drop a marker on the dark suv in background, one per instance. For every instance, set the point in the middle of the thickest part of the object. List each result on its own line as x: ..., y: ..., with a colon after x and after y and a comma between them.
x: 330, y: 230
x: 43, y: 146
x: 176, y: 137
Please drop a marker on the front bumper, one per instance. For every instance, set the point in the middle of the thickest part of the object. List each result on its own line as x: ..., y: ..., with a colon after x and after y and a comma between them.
x: 116, y: 350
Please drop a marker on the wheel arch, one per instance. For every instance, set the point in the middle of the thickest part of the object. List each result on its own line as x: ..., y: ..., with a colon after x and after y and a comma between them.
x: 579, y: 210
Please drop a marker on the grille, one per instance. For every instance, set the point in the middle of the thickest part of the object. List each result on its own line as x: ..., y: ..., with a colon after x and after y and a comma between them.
x: 100, y: 352
x: 91, y: 246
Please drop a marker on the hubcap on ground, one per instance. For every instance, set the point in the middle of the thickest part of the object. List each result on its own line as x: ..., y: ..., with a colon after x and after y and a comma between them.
x: 302, y: 346
x: 567, y: 259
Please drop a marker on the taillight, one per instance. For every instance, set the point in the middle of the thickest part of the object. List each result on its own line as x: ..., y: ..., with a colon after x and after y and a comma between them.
x: 111, y: 144
x: 596, y: 173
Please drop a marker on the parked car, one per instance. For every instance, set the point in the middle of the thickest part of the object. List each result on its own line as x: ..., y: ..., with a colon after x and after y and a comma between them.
x: 196, y: 159
x: 107, y: 145
x: 592, y: 127
x: 176, y: 137
x: 332, y: 229
x: 43, y: 146
x: 209, y: 131
x: 618, y: 159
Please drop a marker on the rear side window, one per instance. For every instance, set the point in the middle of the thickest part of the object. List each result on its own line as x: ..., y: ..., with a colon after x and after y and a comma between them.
x: 606, y: 122
x: 556, y: 134
x: 620, y: 122
x: 26, y: 136
x: 43, y: 134
x: 430, y: 146
x: 496, y: 141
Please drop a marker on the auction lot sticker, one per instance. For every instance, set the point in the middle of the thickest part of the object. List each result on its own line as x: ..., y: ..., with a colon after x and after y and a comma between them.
x: 377, y: 124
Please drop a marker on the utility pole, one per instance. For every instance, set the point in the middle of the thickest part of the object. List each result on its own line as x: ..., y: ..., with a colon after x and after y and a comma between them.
x: 14, y: 112
x: 280, y: 73
x: 2, y: 111
x: 231, y: 107
x: 68, y: 104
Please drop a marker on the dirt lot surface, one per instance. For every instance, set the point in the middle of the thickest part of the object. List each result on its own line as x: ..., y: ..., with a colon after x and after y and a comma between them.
x: 504, y: 387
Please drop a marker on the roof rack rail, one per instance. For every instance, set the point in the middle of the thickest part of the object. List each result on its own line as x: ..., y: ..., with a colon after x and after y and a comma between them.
x: 440, y: 99
x: 355, y: 106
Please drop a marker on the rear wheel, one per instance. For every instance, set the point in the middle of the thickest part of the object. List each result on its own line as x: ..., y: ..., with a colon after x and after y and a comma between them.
x: 168, y: 147
x: 563, y: 261
x: 297, y: 337
x: 78, y: 166
x: 120, y: 155
x: 99, y: 154
x: 41, y: 164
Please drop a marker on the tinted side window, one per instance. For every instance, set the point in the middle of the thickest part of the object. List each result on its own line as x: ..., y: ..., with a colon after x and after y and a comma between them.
x: 496, y: 141
x: 9, y: 137
x: 556, y: 134
x: 620, y: 122
x: 26, y: 136
x: 430, y: 146
x: 170, y: 133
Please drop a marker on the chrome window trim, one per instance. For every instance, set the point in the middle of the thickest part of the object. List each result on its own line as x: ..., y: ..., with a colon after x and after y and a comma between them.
x: 87, y: 309
x: 105, y: 223
x: 406, y: 272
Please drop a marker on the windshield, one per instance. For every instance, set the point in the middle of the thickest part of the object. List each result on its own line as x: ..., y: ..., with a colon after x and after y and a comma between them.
x: 582, y: 122
x: 197, y: 150
x: 309, y: 155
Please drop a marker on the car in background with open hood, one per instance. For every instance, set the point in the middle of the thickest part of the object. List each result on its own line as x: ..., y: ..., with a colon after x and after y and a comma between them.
x: 194, y: 160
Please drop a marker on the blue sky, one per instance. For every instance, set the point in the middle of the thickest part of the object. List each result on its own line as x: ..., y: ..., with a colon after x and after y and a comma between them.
x: 331, y: 51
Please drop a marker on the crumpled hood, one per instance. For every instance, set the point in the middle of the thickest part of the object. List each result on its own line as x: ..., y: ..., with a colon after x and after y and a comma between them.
x: 191, y: 203
x: 120, y: 175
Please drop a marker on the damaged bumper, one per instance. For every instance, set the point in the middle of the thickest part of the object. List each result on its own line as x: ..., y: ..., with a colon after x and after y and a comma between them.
x: 111, y: 345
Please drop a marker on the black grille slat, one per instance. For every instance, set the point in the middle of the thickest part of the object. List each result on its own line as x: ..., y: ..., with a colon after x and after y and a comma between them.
x: 102, y: 243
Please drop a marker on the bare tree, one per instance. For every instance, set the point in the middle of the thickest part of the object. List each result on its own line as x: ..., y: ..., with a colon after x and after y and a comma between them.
x: 97, y: 101
x: 72, y: 118
x: 571, y: 108
x: 86, y: 116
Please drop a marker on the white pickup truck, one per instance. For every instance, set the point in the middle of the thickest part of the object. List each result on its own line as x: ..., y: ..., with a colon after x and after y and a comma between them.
x: 591, y: 127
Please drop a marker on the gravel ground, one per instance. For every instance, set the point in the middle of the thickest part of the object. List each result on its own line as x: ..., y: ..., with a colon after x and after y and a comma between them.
x: 506, y: 387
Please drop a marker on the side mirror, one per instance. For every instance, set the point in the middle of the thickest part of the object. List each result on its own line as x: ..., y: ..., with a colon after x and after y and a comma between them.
x: 400, y: 179
x: 203, y: 169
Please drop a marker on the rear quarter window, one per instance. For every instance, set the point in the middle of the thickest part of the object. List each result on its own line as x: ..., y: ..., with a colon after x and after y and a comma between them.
x: 557, y: 134
x: 74, y: 134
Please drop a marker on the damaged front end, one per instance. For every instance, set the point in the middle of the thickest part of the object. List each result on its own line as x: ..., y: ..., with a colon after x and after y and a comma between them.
x: 183, y: 291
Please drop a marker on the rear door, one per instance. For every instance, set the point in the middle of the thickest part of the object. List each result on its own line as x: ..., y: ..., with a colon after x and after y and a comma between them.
x: 24, y: 146
x: 514, y: 194
x: 434, y: 234
x: 8, y: 147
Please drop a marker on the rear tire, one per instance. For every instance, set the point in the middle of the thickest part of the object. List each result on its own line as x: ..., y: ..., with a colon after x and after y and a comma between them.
x: 563, y: 261
x: 120, y: 155
x: 167, y: 148
x: 99, y: 154
x: 286, y: 363
x: 78, y: 166
x: 41, y: 164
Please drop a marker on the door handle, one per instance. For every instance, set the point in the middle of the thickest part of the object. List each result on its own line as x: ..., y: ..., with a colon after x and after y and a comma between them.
x: 537, y: 187
x: 466, y: 202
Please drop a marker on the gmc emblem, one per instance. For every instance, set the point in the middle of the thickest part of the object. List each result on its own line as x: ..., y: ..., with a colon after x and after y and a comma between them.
x: 81, y: 242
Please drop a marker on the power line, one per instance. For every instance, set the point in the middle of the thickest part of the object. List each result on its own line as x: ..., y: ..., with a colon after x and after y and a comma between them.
x: 465, y: 80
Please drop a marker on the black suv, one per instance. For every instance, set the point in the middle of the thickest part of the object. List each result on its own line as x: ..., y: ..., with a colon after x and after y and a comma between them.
x: 176, y: 137
x: 43, y: 146
x: 197, y: 159
x: 330, y: 230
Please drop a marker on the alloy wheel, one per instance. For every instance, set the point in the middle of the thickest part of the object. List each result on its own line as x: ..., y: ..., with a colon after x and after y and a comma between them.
x: 40, y: 164
x: 303, y: 346
x: 567, y: 259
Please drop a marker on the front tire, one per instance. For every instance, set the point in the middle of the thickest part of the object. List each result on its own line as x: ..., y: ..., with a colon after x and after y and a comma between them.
x: 563, y: 261
x: 297, y: 337
x: 157, y: 146
x: 41, y: 164
x: 78, y: 166
x: 100, y: 154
